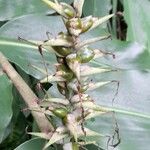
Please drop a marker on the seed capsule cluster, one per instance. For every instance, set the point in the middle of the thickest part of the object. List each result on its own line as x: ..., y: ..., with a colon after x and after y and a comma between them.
x: 70, y: 61
x: 71, y: 56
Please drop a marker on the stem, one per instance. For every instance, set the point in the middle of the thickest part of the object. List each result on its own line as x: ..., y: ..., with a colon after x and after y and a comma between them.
x: 27, y: 94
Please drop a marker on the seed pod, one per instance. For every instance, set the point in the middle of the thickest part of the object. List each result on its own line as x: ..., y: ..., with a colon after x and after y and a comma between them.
x: 68, y: 10
x: 64, y: 36
x: 85, y: 55
x: 64, y: 71
x: 63, y: 51
x: 60, y: 112
x: 87, y: 26
x: 74, y: 23
x: 74, y: 26
x: 84, y: 87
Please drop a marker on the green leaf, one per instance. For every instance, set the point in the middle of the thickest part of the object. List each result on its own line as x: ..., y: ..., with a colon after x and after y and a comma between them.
x: 10, y: 9
x: 97, y: 7
x: 32, y: 144
x: 29, y: 56
x: 40, y: 24
x: 92, y: 146
x: 129, y: 55
x: 25, y: 56
x: 133, y: 95
x: 134, y: 79
x: 5, y: 105
x: 138, y: 21
x: 131, y: 130
x: 132, y: 63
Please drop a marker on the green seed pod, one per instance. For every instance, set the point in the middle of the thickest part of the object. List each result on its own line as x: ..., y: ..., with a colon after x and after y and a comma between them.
x: 72, y: 58
x: 65, y: 71
x: 69, y: 13
x: 74, y: 26
x: 65, y: 36
x: 68, y: 10
x: 87, y: 26
x: 85, y: 55
x: 64, y: 120
x: 60, y: 112
x: 63, y: 51
x: 74, y: 23
x: 84, y: 88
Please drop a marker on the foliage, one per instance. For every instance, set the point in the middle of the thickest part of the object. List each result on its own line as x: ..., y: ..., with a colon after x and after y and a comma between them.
x: 131, y: 106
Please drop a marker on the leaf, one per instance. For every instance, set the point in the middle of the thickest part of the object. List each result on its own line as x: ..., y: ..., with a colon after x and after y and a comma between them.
x: 129, y: 55
x: 132, y: 63
x: 135, y: 127
x: 138, y: 32
x: 13, y: 48
x: 97, y: 7
x: 32, y: 144
x: 133, y: 95
x: 92, y: 146
x: 10, y: 9
x: 5, y: 105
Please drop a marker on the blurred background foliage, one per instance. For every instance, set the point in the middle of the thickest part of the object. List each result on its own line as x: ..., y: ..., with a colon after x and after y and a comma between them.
x: 130, y: 42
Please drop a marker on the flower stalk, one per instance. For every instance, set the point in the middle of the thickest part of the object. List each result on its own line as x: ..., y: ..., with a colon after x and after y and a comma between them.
x: 71, y: 76
x: 72, y: 55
